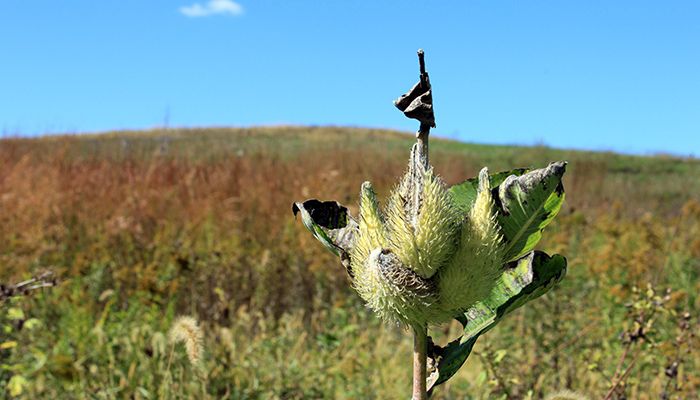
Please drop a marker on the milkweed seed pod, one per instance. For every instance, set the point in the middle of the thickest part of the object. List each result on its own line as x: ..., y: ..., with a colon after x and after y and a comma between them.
x: 423, y: 222
x: 423, y: 260
x: 470, y: 273
x: 432, y: 253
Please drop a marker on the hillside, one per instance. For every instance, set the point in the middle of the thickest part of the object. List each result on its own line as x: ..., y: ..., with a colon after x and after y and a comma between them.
x: 141, y: 227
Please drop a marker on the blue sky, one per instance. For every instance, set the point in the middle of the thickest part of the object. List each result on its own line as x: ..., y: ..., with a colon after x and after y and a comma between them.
x: 604, y: 75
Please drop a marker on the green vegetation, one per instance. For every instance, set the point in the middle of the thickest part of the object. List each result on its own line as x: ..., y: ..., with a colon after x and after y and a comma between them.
x: 143, y: 227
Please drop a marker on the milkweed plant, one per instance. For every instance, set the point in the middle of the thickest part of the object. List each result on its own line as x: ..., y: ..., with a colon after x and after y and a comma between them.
x: 435, y: 253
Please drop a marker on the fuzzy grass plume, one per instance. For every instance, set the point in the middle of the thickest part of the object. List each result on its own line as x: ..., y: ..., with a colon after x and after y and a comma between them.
x: 186, y: 330
x: 566, y: 395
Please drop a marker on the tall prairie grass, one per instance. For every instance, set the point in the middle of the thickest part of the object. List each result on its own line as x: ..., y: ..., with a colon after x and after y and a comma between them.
x: 142, y: 227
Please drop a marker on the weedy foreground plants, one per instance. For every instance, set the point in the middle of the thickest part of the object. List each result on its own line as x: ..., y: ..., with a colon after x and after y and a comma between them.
x: 434, y: 253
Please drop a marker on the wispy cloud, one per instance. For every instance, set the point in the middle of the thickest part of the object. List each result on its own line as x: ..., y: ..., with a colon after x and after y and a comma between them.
x: 212, y: 7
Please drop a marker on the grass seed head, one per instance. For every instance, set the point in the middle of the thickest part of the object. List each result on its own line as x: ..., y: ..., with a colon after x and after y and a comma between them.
x: 566, y: 395
x: 186, y: 330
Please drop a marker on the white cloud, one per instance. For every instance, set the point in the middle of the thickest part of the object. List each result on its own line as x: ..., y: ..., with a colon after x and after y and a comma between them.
x: 212, y: 7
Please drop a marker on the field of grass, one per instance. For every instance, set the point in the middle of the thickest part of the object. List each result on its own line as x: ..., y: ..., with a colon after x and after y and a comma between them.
x: 141, y: 227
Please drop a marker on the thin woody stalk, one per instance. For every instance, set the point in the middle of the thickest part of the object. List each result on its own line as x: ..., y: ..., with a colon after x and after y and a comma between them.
x: 424, y: 130
x: 420, y: 334
x: 418, y: 104
x: 420, y: 350
x: 422, y: 140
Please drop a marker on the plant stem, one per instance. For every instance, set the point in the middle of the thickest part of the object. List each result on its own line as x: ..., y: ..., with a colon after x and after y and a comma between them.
x: 624, y: 375
x: 424, y: 130
x: 420, y: 350
x: 419, y: 164
x: 420, y: 333
x: 422, y: 140
x: 418, y: 104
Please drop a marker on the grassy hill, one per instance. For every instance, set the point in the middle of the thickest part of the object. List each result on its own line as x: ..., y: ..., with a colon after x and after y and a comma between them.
x: 143, y: 226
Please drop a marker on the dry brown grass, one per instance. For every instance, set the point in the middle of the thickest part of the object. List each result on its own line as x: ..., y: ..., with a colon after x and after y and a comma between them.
x: 203, y: 221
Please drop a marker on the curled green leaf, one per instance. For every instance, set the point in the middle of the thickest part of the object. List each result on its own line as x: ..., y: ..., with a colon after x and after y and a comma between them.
x: 522, y: 281
x: 526, y: 205
x: 331, y: 224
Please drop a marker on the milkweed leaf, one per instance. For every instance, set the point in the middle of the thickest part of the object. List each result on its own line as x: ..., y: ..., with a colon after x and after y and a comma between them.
x: 521, y: 281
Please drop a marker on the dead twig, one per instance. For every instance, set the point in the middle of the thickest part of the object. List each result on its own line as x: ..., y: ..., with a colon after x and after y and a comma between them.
x: 42, y: 280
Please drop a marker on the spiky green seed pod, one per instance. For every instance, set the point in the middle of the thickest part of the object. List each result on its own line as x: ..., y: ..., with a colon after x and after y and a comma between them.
x: 424, y: 230
x: 423, y: 261
x: 471, y: 273
x: 372, y: 233
x: 393, y: 291
x: 433, y: 253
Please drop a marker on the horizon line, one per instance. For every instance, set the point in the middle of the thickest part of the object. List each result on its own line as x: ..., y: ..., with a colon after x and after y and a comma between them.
x: 5, y: 135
